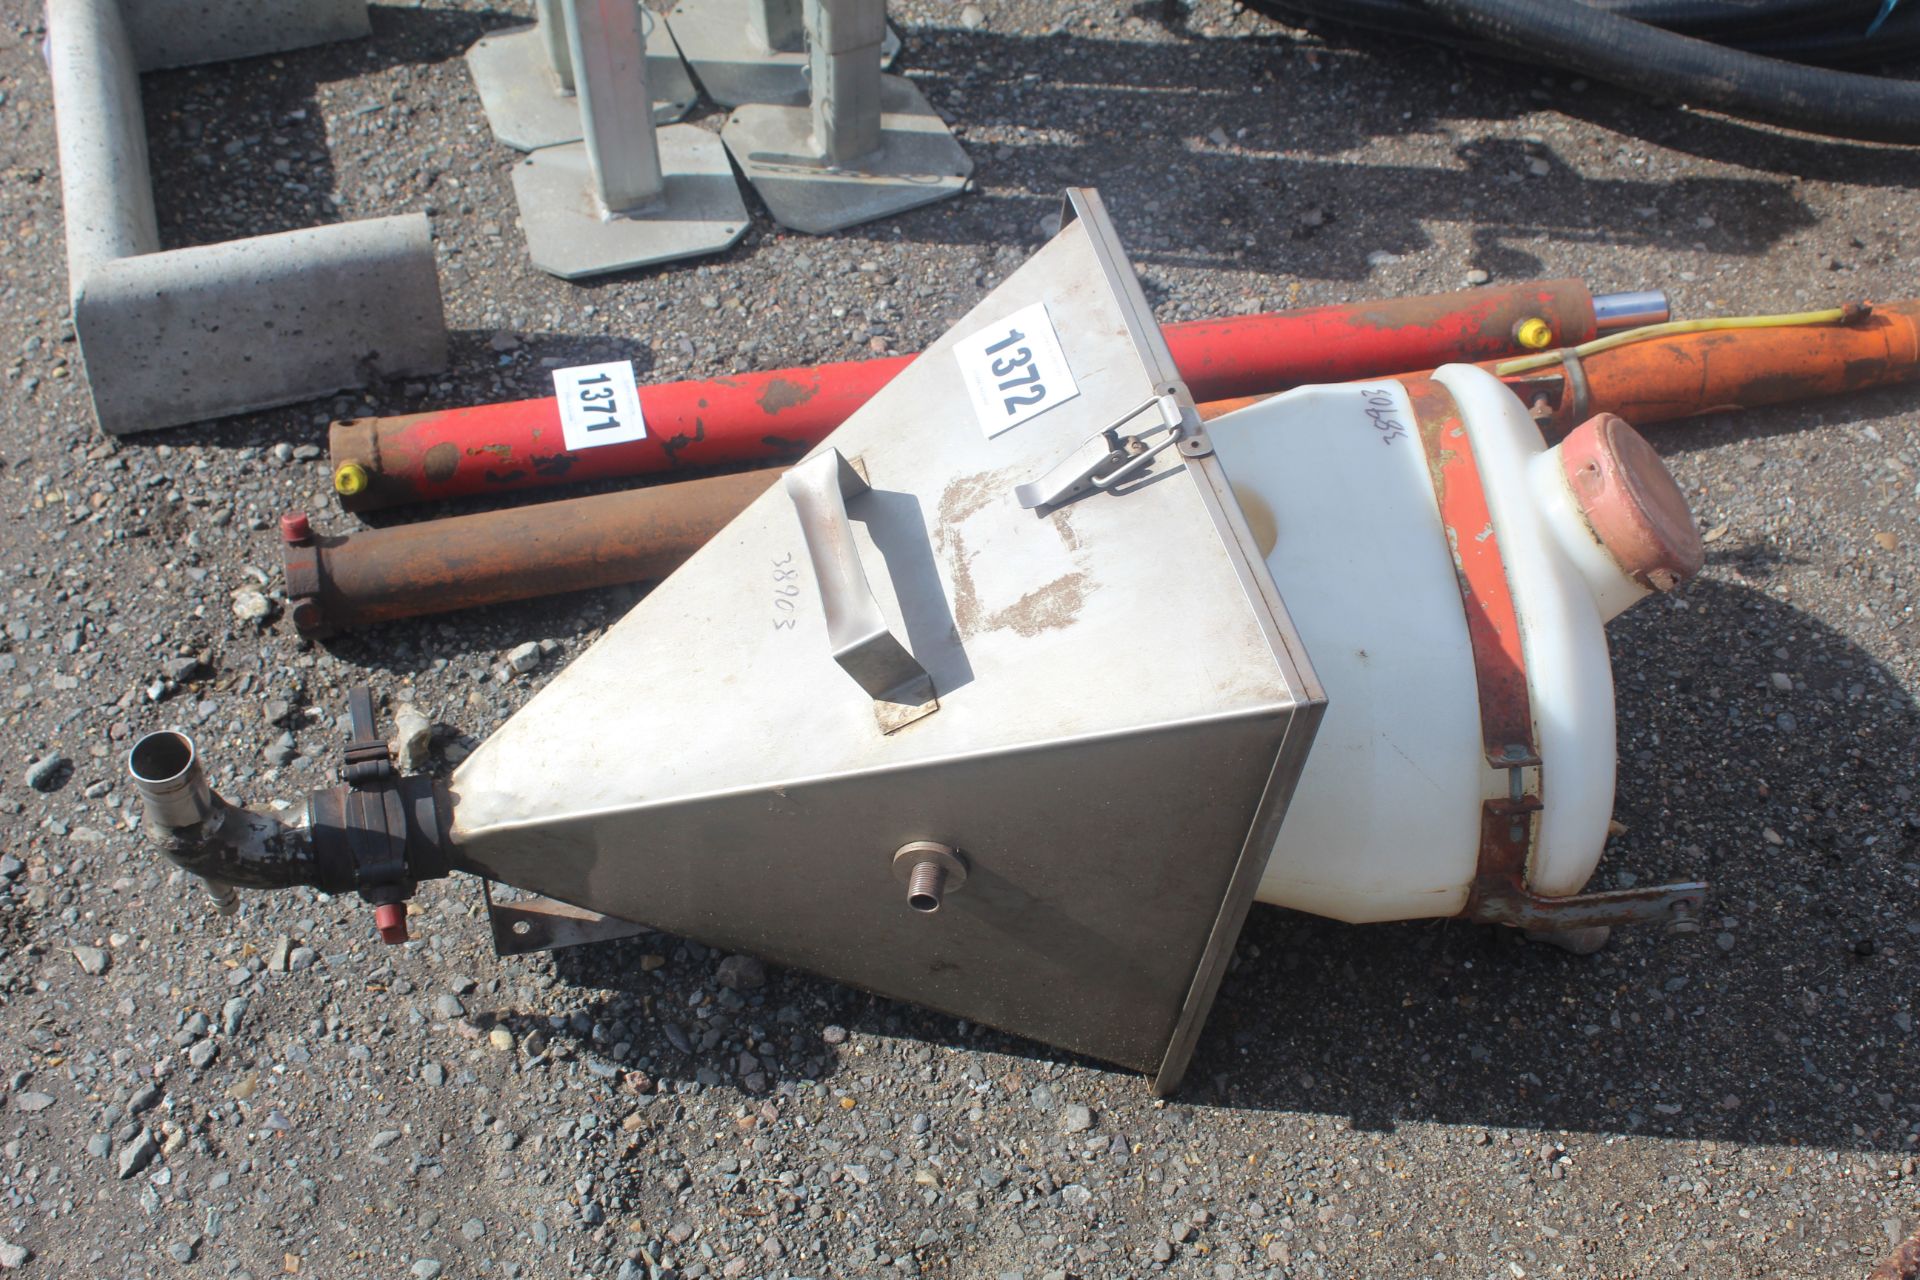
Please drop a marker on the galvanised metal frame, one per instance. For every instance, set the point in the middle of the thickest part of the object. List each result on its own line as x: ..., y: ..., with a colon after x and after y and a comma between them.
x: 630, y: 193
x: 525, y: 79
x: 863, y: 146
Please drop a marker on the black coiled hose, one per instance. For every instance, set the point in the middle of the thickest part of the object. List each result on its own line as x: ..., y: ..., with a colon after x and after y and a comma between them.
x: 1717, y: 53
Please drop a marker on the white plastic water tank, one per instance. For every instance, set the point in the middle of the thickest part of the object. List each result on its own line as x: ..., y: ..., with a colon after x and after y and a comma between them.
x: 1336, y: 484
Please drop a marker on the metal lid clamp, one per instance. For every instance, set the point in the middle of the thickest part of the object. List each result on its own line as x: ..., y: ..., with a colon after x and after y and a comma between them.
x: 1108, y: 459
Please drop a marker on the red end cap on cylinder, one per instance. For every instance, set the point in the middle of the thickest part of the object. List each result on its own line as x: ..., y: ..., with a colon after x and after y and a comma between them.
x: 1632, y: 502
x: 390, y: 918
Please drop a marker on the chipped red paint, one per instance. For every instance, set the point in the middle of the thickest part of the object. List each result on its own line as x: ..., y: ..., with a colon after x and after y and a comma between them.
x: 1244, y: 355
x: 731, y: 419
x: 1692, y: 373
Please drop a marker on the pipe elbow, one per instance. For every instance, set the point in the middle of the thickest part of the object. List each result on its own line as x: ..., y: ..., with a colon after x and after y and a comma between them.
x: 198, y: 831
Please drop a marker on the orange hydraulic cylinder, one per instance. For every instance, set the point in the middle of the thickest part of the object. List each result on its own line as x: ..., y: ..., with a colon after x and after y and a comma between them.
x: 1689, y: 374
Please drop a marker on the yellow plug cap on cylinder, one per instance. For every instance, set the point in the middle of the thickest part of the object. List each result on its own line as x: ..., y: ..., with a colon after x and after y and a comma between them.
x: 1533, y: 333
x: 350, y: 478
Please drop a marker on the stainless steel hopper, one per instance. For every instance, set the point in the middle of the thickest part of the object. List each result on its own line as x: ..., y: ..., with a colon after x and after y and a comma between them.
x: 1041, y: 668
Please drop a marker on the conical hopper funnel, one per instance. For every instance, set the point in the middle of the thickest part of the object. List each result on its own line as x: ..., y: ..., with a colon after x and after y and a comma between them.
x: 1090, y: 712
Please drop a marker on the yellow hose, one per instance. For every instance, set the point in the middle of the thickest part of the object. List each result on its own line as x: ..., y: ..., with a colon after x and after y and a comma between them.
x: 1525, y: 364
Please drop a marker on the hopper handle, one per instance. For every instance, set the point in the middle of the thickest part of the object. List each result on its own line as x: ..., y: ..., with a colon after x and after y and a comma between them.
x: 856, y: 629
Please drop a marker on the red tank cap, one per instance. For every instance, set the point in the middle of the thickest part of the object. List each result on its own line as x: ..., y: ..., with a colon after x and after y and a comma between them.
x: 294, y: 528
x: 1631, y: 502
x: 390, y: 918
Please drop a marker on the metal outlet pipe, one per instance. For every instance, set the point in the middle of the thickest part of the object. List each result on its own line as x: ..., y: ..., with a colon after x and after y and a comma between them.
x: 336, y: 582
x: 173, y: 787
x: 439, y: 565
x: 1634, y: 310
x: 776, y: 415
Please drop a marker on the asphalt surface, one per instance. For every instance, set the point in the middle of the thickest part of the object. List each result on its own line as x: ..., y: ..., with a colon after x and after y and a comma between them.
x: 277, y: 1094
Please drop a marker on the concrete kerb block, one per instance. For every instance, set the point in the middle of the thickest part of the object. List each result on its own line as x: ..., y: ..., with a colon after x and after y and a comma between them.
x: 181, y: 336
x: 178, y: 337
x: 182, y: 33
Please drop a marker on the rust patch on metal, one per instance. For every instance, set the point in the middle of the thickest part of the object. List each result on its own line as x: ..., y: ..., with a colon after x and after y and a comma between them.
x: 1063, y: 524
x: 1493, y: 624
x: 1049, y: 608
x: 1903, y: 1265
x: 504, y: 452
x: 672, y: 447
x: 966, y: 597
x: 553, y: 465
x: 965, y: 496
x: 441, y: 462
x: 785, y: 393
x: 1772, y: 388
x: 1868, y: 372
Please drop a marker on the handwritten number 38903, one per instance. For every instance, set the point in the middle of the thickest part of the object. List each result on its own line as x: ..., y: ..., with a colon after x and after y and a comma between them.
x: 785, y: 588
x: 1009, y: 369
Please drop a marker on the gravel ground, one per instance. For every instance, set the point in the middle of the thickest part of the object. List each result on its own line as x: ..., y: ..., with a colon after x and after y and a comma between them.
x: 278, y: 1094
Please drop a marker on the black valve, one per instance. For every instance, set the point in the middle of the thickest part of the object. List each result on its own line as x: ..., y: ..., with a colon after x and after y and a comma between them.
x: 379, y: 833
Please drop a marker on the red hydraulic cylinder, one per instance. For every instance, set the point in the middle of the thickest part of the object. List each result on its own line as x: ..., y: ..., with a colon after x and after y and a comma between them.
x: 778, y: 414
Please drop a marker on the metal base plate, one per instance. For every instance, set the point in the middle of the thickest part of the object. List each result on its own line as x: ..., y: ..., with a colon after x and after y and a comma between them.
x: 919, y: 162
x: 712, y: 35
x: 522, y: 96
x: 569, y: 236
x: 523, y: 923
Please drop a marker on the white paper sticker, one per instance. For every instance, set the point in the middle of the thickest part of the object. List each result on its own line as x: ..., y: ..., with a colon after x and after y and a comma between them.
x: 599, y: 404
x: 1015, y: 370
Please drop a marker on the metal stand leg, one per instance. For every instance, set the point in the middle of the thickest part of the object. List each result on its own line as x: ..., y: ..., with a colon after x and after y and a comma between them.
x: 525, y: 79
x: 630, y: 194
x: 866, y: 145
x: 776, y: 26
x: 751, y: 50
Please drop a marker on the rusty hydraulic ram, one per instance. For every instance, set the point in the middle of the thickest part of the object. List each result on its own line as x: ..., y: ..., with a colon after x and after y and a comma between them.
x: 776, y: 415
x: 641, y: 535
x: 439, y: 565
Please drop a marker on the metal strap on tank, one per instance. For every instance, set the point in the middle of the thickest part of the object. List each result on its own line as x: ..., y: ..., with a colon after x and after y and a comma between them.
x: 1509, y: 824
x: 1499, y: 658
